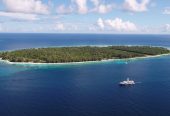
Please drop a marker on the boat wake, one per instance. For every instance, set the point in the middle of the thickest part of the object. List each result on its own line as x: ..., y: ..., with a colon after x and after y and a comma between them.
x: 138, y: 82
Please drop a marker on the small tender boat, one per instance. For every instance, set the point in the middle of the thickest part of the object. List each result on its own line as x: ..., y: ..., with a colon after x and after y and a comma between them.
x: 127, y: 82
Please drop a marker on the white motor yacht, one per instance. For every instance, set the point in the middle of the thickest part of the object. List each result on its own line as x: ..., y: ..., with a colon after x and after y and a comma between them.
x: 127, y: 82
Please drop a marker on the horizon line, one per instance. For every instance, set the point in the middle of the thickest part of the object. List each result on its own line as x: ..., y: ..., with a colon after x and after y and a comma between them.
x: 86, y: 33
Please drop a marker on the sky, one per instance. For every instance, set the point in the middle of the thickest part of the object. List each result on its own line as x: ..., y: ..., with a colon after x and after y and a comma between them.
x: 85, y: 16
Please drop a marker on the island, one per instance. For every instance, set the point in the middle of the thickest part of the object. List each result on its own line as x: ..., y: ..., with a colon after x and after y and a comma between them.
x: 80, y: 54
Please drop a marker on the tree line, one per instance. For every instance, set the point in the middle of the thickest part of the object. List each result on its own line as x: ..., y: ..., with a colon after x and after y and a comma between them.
x: 79, y: 54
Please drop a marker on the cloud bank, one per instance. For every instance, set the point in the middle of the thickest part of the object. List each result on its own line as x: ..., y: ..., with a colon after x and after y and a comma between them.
x: 135, y: 5
x: 26, y: 6
x: 116, y: 24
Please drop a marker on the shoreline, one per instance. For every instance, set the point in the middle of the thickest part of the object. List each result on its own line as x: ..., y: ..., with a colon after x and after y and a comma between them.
x: 84, y: 62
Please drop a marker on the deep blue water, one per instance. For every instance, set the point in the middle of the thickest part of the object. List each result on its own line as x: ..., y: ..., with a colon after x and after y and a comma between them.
x: 18, y: 41
x: 85, y: 89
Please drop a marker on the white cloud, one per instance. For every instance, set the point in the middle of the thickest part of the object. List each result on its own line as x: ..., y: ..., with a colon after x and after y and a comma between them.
x: 100, y: 23
x: 117, y: 25
x: 81, y: 5
x: 120, y: 25
x: 167, y: 27
x: 26, y: 6
x: 135, y: 5
x: 19, y: 16
x: 59, y: 27
x: 64, y: 27
x: 62, y: 9
x: 166, y: 10
x: 102, y: 8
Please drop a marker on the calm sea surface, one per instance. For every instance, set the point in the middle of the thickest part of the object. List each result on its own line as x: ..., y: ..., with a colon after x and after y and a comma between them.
x: 89, y: 89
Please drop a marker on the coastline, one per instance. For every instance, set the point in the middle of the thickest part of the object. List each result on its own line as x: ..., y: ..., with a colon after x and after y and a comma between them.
x: 84, y: 62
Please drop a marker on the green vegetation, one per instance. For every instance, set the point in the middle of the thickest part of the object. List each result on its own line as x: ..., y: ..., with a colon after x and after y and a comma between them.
x: 79, y: 54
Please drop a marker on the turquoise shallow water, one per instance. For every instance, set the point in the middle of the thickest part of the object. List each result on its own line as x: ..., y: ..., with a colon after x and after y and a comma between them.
x: 89, y: 89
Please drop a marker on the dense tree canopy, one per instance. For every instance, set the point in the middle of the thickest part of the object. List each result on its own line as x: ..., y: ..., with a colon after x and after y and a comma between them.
x: 78, y: 54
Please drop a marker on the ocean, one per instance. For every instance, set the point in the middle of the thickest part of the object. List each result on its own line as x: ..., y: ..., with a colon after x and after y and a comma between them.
x: 85, y: 89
